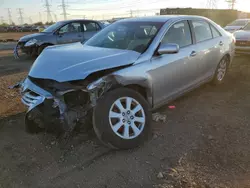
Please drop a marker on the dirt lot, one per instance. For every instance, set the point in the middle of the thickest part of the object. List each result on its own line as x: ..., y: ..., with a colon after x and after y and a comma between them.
x: 15, y: 36
x: 203, y: 144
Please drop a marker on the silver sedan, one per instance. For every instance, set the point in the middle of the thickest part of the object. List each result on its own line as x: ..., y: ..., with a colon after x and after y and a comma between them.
x: 243, y: 40
x: 122, y: 73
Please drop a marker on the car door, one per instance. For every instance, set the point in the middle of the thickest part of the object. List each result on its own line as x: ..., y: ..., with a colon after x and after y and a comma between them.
x: 218, y: 46
x: 90, y: 29
x: 69, y: 33
x: 174, y: 73
x: 207, y: 48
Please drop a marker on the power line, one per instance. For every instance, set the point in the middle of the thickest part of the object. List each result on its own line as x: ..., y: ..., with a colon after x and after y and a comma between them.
x: 64, y: 6
x: 9, y: 16
x: 132, y: 5
x: 47, y: 6
x: 20, y: 12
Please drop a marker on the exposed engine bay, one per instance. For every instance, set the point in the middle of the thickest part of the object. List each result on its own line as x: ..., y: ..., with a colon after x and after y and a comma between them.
x: 61, y: 107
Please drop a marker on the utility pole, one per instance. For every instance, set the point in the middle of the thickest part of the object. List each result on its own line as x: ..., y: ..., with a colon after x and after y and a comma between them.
x: 55, y: 17
x: 211, y: 4
x: 2, y: 19
x: 131, y: 13
x: 231, y: 3
x: 64, y: 6
x: 47, y: 6
x: 9, y: 16
x: 20, y: 12
x: 30, y: 20
x: 40, y: 17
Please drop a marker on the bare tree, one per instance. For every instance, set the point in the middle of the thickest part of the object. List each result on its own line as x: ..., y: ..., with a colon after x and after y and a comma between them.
x: 231, y: 3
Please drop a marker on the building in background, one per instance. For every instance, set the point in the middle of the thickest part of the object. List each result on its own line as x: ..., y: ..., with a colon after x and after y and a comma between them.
x: 220, y: 16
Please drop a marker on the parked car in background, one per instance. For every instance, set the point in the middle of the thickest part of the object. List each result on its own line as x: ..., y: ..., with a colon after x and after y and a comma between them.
x: 28, y: 28
x: 105, y: 22
x: 3, y: 29
x: 59, y: 33
x: 237, y: 25
x: 118, y: 76
x: 12, y: 29
x: 243, y: 40
x: 40, y: 28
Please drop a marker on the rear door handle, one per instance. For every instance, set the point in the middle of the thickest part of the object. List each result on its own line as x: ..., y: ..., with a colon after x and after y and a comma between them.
x: 221, y: 43
x: 193, y: 53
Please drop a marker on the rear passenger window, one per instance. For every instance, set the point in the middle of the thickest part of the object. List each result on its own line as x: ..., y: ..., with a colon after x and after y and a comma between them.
x: 178, y: 33
x: 215, y: 32
x: 202, y: 31
x: 91, y: 26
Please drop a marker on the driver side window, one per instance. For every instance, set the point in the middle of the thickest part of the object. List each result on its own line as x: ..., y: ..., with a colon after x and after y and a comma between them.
x: 179, y: 33
x: 71, y: 28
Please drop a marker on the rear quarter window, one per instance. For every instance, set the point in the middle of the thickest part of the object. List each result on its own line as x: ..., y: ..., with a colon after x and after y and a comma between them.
x: 215, y: 32
x: 202, y: 30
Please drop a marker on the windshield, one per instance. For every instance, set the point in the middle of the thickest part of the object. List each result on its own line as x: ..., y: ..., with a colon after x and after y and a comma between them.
x: 135, y: 36
x: 239, y: 23
x: 53, y: 27
x: 247, y: 28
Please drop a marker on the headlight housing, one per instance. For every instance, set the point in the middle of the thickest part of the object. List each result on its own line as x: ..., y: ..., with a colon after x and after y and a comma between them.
x: 30, y: 42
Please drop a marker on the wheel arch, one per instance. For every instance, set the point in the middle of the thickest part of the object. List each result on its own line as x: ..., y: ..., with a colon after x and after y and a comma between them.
x: 139, y: 85
x: 46, y: 44
x: 227, y: 55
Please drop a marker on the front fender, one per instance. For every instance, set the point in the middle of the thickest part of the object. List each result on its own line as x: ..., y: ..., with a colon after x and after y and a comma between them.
x: 125, y: 77
x: 140, y: 80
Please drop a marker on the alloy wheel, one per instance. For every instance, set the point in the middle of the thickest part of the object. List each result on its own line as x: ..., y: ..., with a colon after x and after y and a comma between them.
x: 221, y: 71
x: 127, y: 118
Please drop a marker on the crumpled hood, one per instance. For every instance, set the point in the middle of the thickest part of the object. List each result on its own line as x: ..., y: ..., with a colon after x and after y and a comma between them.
x: 242, y: 35
x: 32, y: 36
x: 232, y: 28
x: 76, y: 61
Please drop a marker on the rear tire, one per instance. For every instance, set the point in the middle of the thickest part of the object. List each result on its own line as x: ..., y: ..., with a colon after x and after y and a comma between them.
x: 122, y: 126
x: 221, y: 71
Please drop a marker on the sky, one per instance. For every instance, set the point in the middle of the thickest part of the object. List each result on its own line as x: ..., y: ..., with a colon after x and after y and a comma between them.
x: 100, y: 9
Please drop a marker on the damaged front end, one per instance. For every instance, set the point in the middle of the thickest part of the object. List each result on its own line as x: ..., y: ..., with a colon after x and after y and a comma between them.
x: 61, y: 92
x: 60, y: 107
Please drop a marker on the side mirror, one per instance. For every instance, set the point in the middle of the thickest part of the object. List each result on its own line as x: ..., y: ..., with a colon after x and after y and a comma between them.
x: 168, y: 48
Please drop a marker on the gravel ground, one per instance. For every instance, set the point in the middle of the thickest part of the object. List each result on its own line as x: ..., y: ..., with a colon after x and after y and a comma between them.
x: 204, y: 143
x: 7, y: 45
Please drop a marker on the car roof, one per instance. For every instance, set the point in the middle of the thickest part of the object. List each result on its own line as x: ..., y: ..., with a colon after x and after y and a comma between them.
x: 162, y: 18
x: 247, y: 19
x: 77, y: 20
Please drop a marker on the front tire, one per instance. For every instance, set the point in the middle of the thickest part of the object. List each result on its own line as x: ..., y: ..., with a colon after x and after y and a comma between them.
x: 221, y: 71
x: 122, y: 119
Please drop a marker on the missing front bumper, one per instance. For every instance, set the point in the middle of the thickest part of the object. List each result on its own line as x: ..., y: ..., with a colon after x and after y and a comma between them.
x: 45, y: 109
x: 20, y: 47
